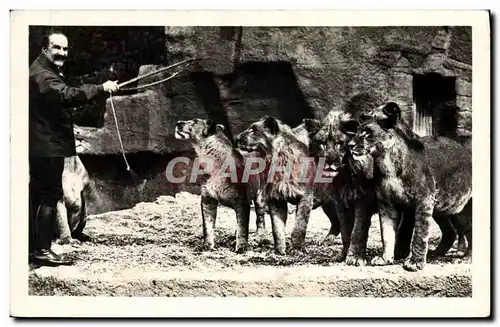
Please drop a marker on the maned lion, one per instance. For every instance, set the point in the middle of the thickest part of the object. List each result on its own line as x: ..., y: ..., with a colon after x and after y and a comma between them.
x: 431, y: 175
x: 302, y: 134
x: 211, y: 143
x: 351, y: 191
x: 78, y: 191
x: 287, y: 179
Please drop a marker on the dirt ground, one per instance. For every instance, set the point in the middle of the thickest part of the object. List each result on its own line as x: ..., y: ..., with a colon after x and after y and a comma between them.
x: 154, y: 249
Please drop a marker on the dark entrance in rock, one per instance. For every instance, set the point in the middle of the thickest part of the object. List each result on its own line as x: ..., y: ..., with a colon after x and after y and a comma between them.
x: 435, y: 99
x: 267, y: 88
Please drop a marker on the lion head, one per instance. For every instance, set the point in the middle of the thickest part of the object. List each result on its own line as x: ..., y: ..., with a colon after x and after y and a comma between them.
x: 259, y: 136
x: 329, y: 139
x: 196, y: 129
x: 381, y: 130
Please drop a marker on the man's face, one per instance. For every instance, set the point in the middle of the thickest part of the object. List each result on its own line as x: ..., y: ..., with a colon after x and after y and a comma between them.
x: 57, y: 51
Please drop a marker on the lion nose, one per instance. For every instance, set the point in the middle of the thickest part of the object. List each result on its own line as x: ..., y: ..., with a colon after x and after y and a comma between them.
x: 330, y: 160
x: 351, y: 144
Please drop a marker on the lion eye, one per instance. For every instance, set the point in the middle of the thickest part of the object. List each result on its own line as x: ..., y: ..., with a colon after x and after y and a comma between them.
x: 366, y: 133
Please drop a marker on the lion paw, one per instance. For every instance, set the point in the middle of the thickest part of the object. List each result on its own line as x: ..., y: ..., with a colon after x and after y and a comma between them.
x: 65, y: 240
x: 280, y: 251
x: 464, y: 259
x: 381, y: 261
x: 207, y: 247
x: 411, y: 265
x: 240, y: 249
x: 84, y: 238
x: 297, y: 252
x: 264, y: 240
x: 339, y: 257
x: 353, y: 260
x: 328, y: 240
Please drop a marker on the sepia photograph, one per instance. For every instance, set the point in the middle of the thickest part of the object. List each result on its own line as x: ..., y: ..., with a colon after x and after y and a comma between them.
x: 227, y: 157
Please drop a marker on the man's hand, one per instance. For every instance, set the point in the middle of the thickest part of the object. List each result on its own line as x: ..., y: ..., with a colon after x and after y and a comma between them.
x: 110, y: 86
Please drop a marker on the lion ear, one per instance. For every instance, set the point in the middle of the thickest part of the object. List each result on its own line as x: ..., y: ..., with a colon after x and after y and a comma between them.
x: 271, y: 124
x: 349, y: 127
x: 392, y: 110
x: 312, y: 125
x: 220, y: 128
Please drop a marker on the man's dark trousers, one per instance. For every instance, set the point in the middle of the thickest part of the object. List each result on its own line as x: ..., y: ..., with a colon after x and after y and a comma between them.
x: 45, y: 191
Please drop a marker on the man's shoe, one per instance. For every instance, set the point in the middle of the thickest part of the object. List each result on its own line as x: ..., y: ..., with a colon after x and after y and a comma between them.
x: 49, y: 258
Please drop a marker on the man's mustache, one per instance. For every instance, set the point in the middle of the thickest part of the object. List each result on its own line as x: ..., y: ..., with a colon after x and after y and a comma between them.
x: 58, y: 57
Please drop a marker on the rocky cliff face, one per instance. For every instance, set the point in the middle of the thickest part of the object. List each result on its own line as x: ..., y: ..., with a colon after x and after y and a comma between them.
x: 287, y: 72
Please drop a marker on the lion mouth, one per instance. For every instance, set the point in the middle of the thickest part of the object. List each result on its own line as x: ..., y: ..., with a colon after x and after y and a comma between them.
x: 330, y: 170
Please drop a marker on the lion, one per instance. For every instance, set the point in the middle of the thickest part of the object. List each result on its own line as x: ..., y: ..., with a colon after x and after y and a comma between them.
x: 210, y: 142
x: 352, y: 193
x: 430, y: 175
x: 71, y: 211
x: 389, y: 115
x: 288, y: 177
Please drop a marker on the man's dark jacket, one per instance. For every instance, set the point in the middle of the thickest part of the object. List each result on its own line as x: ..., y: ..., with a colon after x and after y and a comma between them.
x: 50, y: 103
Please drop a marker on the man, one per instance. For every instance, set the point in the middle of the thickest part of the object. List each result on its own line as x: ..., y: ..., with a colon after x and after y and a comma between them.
x: 51, y: 139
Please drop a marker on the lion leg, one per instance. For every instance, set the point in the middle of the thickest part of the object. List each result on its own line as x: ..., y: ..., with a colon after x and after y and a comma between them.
x: 331, y: 212
x: 463, y: 223
x: 62, y: 223
x: 462, y: 243
x: 420, y: 241
x: 346, y: 220
x: 303, y: 212
x: 404, y: 234
x: 468, y: 252
x: 82, y: 222
x: 260, y: 211
x: 388, y: 217
x: 279, y: 212
x: 359, y: 236
x: 79, y: 234
x: 242, y: 209
x: 448, y: 236
x: 209, y: 215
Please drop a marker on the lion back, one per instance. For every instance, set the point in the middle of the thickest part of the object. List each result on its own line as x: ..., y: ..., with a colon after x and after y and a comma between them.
x: 451, y: 165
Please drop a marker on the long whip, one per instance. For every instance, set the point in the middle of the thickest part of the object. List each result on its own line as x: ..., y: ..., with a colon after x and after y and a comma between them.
x: 150, y: 84
x: 142, y: 86
x: 155, y: 72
